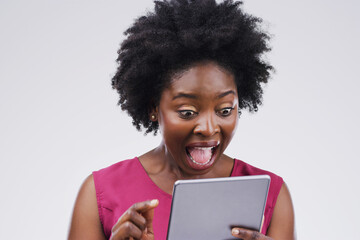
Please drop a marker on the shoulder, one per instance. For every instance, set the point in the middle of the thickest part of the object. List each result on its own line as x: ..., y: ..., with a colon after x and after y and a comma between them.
x: 123, y: 165
x: 113, y: 181
x: 106, y: 180
x: 114, y: 171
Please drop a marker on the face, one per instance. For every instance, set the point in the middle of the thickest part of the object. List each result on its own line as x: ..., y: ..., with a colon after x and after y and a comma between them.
x: 197, y: 117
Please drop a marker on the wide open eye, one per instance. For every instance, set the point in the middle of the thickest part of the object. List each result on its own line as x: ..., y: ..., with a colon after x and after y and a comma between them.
x: 187, y: 114
x: 224, y: 112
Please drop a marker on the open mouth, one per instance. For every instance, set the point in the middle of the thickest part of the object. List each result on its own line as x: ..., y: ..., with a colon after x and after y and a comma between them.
x: 201, y: 156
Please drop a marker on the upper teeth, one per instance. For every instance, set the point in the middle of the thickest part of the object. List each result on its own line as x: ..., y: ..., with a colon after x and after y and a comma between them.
x: 204, y: 148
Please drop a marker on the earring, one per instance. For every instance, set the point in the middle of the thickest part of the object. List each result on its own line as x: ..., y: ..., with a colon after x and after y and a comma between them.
x: 153, y: 117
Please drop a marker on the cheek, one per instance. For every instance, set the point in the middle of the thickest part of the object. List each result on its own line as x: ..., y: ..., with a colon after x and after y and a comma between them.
x: 229, y: 128
x: 173, y: 128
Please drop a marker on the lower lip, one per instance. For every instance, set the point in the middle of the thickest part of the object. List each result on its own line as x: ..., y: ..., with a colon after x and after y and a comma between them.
x: 202, y: 166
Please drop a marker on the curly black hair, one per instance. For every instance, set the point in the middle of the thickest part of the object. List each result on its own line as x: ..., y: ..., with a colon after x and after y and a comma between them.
x: 180, y: 33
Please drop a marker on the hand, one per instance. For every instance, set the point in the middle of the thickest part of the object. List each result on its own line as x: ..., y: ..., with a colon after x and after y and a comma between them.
x: 246, y: 234
x: 136, y: 222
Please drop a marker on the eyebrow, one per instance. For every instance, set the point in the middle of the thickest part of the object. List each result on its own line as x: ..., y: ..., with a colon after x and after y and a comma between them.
x: 191, y: 96
x: 185, y: 95
x: 226, y: 93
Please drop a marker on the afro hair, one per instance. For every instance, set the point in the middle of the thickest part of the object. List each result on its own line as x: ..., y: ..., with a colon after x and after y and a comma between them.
x: 180, y: 33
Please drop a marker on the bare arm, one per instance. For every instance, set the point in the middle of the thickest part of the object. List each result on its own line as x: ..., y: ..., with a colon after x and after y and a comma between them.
x: 136, y: 222
x: 282, y: 225
x: 85, y: 223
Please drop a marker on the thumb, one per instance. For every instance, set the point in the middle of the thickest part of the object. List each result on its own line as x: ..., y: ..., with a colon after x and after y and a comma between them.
x: 149, y: 215
x: 262, y: 222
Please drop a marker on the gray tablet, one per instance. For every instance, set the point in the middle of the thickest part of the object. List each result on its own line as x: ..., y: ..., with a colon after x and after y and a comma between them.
x: 209, y: 208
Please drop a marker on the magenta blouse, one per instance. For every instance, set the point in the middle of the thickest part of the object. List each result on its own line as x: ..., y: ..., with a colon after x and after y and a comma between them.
x: 122, y: 184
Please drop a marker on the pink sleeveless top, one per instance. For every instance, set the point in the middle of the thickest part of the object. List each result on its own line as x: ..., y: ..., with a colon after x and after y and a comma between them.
x: 121, y: 185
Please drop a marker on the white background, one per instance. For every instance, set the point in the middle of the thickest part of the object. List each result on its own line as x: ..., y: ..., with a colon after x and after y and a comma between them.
x: 59, y: 119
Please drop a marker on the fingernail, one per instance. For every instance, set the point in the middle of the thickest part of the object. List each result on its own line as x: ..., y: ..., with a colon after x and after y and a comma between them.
x: 154, y: 202
x: 235, y: 231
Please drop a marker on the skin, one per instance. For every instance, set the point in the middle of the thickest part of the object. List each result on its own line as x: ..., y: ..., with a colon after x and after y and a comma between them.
x: 199, y: 107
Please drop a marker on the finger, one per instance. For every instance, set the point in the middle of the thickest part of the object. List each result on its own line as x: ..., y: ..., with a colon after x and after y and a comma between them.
x: 132, y: 216
x: 246, y: 234
x: 149, y: 216
x: 145, y: 206
x: 127, y: 230
x: 262, y: 222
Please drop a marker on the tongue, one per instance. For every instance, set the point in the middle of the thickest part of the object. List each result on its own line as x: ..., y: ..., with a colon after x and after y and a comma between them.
x: 200, y: 155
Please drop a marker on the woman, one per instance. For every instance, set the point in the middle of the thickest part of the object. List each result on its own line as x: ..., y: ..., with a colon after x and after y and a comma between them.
x: 186, y: 70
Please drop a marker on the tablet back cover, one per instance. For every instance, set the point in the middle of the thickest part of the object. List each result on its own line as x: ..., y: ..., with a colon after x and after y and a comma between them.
x: 209, y: 208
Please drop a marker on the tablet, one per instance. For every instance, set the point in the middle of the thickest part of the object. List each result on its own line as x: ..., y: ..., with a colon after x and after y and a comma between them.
x: 209, y: 208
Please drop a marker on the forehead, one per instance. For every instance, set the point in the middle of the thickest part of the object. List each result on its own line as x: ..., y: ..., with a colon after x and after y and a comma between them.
x: 203, y: 78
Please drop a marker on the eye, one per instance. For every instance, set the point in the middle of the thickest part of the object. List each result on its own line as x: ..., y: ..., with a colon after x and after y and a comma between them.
x: 187, y: 114
x: 224, y: 112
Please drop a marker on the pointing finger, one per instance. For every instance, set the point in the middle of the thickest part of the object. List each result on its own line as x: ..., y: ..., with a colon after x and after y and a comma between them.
x: 145, y: 206
x: 136, y: 214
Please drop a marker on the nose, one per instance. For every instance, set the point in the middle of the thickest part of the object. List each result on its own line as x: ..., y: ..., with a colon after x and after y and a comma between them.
x: 207, y: 125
